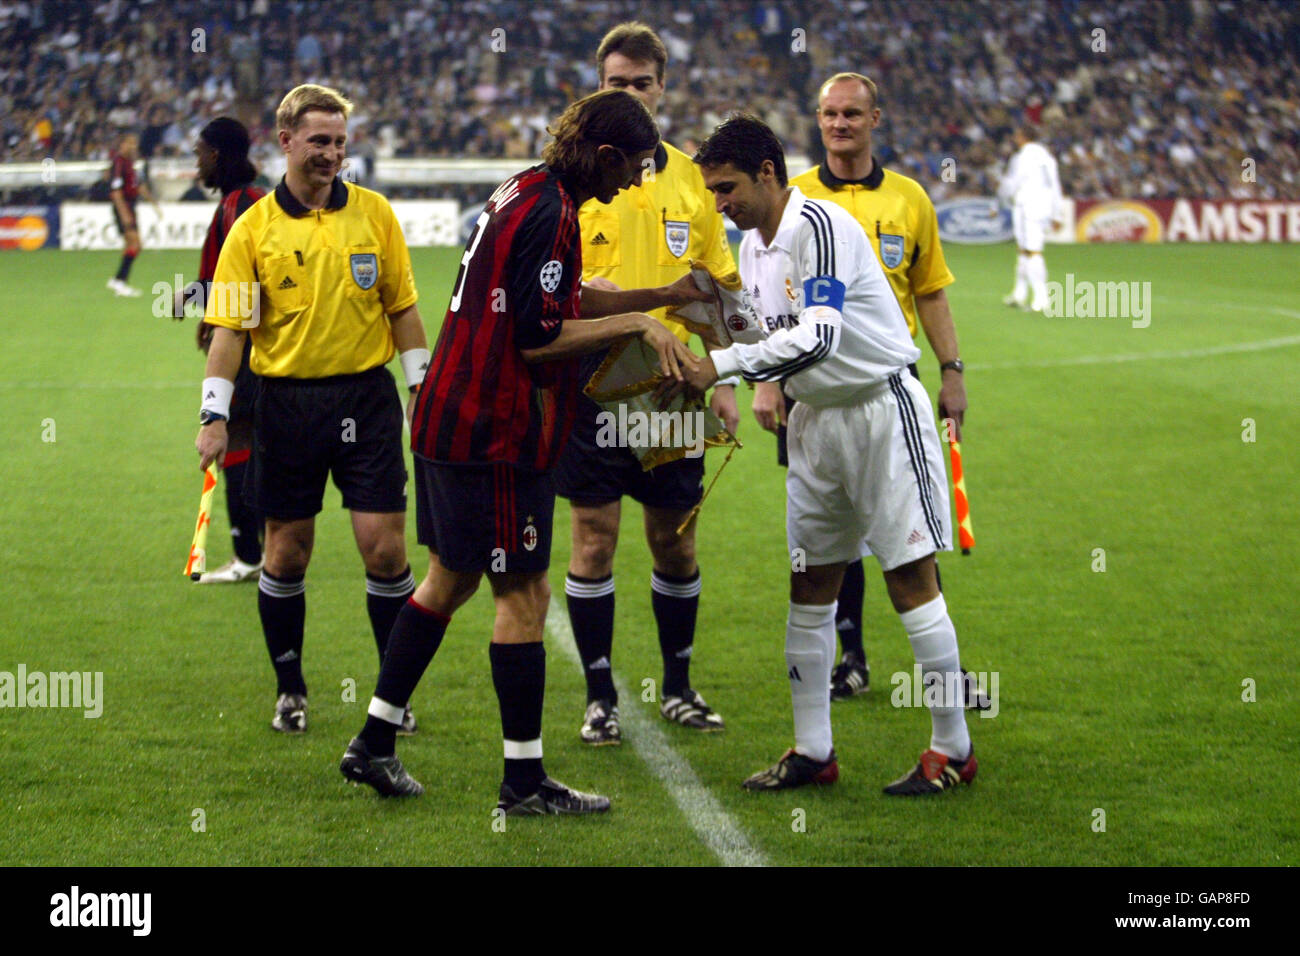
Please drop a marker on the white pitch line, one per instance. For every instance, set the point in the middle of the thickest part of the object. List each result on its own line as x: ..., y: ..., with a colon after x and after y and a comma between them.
x: 706, y: 816
x: 1262, y: 346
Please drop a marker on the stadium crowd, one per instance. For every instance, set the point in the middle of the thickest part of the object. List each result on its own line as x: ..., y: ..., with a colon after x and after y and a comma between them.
x: 1136, y: 99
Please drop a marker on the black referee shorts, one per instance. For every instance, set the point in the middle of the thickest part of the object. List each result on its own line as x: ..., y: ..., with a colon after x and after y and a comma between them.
x: 782, y: 454
x: 589, y: 474
x: 304, y: 430
x: 484, y: 517
x: 244, y: 401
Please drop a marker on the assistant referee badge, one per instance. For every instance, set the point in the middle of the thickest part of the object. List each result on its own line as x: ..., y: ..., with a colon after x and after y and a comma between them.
x: 365, y: 269
x: 677, y: 234
x: 891, y: 250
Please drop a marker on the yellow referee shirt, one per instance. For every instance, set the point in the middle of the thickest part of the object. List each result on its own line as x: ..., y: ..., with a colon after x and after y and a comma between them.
x: 647, y: 235
x: 899, y: 218
x: 327, y: 280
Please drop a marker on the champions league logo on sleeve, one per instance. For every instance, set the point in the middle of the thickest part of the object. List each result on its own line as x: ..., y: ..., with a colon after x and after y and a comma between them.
x: 365, y: 269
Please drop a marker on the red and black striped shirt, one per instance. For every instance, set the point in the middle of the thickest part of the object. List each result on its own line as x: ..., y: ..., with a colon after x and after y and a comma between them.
x: 122, y: 176
x: 520, y: 278
x: 233, y: 205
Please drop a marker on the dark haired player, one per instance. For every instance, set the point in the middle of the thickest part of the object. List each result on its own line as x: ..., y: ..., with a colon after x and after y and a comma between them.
x: 490, y: 421
x: 124, y: 188
x: 222, y: 154
x: 865, y: 462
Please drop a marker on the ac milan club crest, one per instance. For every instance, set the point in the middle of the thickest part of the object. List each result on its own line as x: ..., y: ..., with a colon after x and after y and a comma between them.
x: 530, y: 535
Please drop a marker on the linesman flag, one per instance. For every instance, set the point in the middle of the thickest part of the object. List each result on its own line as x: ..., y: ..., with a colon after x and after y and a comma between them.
x: 965, y: 534
x: 197, y: 562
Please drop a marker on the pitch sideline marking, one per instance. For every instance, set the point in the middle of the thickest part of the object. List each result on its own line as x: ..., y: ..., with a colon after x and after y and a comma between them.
x: 1261, y: 346
x: 706, y: 816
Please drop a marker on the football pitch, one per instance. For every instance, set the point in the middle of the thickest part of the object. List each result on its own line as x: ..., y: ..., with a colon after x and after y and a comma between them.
x: 1130, y: 598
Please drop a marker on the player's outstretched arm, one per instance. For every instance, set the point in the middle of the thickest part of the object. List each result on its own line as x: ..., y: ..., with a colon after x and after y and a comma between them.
x: 598, y: 302
x: 581, y: 337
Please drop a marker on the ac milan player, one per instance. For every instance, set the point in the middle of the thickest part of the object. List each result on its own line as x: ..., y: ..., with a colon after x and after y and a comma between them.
x: 222, y: 154
x: 491, y: 418
x: 124, y: 189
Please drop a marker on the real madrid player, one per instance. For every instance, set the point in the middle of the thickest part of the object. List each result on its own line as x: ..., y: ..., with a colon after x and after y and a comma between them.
x: 900, y: 222
x: 331, y: 280
x: 1031, y: 186
x: 490, y: 421
x: 644, y: 238
x: 865, y: 462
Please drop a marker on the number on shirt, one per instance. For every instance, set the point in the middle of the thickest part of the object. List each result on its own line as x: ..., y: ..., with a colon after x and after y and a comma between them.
x: 482, y: 221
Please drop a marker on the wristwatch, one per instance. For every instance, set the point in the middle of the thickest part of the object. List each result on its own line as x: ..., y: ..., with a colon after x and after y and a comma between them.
x: 957, y: 365
x: 207, y: 417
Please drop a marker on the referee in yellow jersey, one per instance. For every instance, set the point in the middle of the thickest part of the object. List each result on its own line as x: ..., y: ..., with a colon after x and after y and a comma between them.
x: 319, y: 276
x: 644, y: 238
x: 900, y: 221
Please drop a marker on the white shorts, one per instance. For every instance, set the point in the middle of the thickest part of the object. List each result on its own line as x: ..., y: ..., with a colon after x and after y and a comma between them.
x: 868, y: 476
x: 1029, y: 223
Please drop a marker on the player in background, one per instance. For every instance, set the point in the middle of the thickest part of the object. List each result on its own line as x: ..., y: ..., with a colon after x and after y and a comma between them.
x: 1031, y: 186
x: 493, y: 416
x: 222, y: 155
x: 124, y: 188
x: 326, y: 265
x: 644, y: 238
x: 865, y: 460
x: 900, y: 223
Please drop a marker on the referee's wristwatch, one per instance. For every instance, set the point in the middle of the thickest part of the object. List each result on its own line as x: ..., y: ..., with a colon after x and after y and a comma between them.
x: 207, y: 417
x: 957, y: 365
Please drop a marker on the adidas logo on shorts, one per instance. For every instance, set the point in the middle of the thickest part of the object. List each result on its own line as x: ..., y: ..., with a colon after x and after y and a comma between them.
x: 916, y: 537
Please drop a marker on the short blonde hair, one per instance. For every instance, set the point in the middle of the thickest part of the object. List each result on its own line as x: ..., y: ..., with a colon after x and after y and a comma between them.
x: 303, y: 99
x: 858, y: 77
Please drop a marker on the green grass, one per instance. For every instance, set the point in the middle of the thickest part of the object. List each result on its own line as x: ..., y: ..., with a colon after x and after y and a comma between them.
x: 1119, y: 690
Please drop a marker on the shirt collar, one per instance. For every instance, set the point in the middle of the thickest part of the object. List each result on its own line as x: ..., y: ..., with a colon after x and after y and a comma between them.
x: 289, y: 203
x: 871, y: 181
x: 661, y: 158
x: 789, y: 220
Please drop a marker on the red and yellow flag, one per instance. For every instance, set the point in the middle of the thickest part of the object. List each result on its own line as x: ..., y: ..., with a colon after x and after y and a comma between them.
x: 965, y: 535
x: 197, y: 562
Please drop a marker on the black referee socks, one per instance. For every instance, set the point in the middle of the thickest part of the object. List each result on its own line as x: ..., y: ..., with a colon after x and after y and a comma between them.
x: 676, y: 602
x: 282, y: 605
x: 384, y: 600
x: 591, y: 614
x: 848, y: 610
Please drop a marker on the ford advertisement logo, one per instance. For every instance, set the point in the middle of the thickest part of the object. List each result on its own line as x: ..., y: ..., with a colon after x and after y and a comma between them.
x: 973, y: 221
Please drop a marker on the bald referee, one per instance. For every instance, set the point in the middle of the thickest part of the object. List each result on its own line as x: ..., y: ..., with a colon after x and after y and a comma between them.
x: 318, y: 275
x: 900, y: 223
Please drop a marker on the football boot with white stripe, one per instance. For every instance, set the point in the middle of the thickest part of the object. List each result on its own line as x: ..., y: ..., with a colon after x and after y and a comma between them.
x: 385, y: 774
x: 551, y: 797
x: 690, y: 710
x: 935, y: 773
x: 600, y: 724
x: 795, y: 770
x: 851, y: 676
x: 290, y: 714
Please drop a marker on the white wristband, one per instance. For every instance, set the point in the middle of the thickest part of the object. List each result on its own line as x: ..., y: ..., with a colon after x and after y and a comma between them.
x: 217, y: 393
x: 415, y: 362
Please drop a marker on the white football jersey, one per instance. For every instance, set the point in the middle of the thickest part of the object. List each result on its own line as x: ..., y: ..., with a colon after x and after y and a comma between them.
x: 1032, y: 180
x: 823, y: 355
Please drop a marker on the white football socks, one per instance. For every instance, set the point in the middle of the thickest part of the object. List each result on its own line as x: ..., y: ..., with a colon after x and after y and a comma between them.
x: 809, y: 655
x: 1037, y: 271
x: 934, y: 644
x: 1021, y: 290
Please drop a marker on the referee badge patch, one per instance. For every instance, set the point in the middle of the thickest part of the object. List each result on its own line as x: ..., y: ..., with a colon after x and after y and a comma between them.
x: 365, y: 269
x: 677, y: 233
x: 891, y: 250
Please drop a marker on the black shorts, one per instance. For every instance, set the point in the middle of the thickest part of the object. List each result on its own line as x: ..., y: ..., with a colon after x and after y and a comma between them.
x: 117, y: 217
x: 492, y: 517
x: 306, y: 429
x: 593, y: 475
x: 782, y: 455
